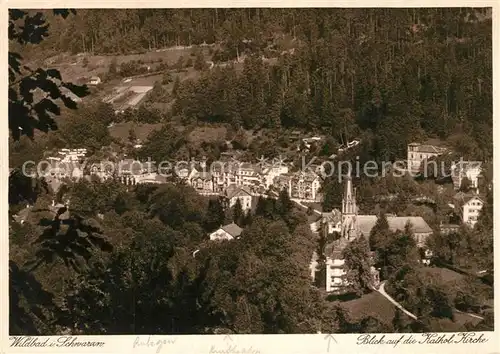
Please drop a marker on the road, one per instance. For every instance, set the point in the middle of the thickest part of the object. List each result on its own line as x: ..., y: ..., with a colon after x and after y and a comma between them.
x: 305, y: 206
x: 381, y: 290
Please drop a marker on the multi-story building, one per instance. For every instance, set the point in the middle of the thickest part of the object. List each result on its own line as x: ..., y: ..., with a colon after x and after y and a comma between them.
x: 72, y: 155
x: 417, y: 153
x: 328, y: 223
x: 269, y: 174
x: 201, y: 180
x: 446, y: 229
x: 68, y: 165
x: 129, y: 172
x: 244, y: 174
x: 248, y: 174
x: 243, y: 193
x: 104, y: 170
x: 468, y: 207
x: 300, y: 185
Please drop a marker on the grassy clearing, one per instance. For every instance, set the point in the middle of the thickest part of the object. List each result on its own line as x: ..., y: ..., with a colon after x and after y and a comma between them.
x: 372, y: 304
x: 72, y: 68
x: 444, y: 274
x: 207, y: 134
x: 121, y: 130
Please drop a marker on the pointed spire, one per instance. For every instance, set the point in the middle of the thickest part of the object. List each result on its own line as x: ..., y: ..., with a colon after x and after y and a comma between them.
x: 348, y: 188
x: 348, y: 200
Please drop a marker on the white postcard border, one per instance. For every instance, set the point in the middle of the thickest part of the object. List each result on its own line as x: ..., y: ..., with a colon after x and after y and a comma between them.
x: 240, y: 344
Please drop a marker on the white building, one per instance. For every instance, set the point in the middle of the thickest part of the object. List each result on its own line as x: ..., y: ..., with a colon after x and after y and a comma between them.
x: 95, y: 80
x: 233, y: 193
x: 301, y: 185
x: 247, y: 174
x: 226, y: 232
x: 327, y: 222
x: 269, y: 174
x: 200, y: 179
x: 150, y: 178
x: 468, y: 207
x: 417, y: 153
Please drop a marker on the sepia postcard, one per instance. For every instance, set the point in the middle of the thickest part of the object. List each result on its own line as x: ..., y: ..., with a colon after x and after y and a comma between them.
x: 248, y: 179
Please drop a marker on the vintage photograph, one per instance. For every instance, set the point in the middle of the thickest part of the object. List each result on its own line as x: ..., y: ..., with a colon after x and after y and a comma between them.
x: 250, y: 171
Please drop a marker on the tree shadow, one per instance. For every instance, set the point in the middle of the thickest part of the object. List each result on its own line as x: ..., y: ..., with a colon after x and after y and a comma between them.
x: 30, y: 306
x: 70, y: 238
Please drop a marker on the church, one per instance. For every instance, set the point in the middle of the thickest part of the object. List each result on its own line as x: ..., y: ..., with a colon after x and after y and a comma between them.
x: 350, y: 225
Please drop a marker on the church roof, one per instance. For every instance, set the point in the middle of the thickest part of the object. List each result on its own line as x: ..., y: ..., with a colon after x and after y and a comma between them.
x: 418, y: 224
x: 366, y: 223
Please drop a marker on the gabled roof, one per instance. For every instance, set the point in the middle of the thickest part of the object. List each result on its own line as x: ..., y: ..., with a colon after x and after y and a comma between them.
x: 462, y: 198
x: 366, y: 223
x: 233, y: 191
x: 204, y: 175
x: 418, y: 224
x: 247, y: 166
x: 428, y: 148
x: 304, y: 175
x: 232, y: 229
x: 334, y: 216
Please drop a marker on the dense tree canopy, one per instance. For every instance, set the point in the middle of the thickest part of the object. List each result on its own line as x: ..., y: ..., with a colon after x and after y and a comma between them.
x: 385, y: 76
x: 402, y: 74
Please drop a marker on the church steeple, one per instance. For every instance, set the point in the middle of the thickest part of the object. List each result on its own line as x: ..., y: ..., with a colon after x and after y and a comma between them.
x: 350, y: 227
x: 349, y: 199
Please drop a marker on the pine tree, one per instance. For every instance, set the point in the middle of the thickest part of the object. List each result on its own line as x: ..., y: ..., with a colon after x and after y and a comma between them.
x: 248, y: 218
x: 113, y: 67
x: 132, y: 137
x: 358, y: 263
x: 380, y: 232
x: 215, y: 215
x: 175, y: 88
x: 465, y: 185
x: 166, y: 78
x: 199, y: 63
x: 260, y: 209
x: 238, y: 214
x: 284, y: 205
